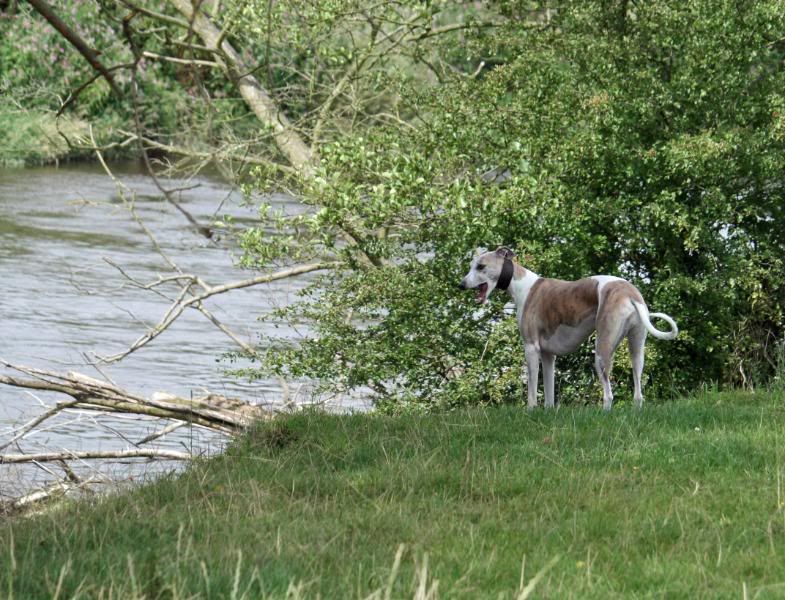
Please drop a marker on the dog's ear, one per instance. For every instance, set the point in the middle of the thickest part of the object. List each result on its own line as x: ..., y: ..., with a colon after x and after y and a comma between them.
x: 504, y: 252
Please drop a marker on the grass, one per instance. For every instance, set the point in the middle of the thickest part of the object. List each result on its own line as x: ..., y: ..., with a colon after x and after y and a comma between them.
x: 34, y: 137
x: 682, y: 500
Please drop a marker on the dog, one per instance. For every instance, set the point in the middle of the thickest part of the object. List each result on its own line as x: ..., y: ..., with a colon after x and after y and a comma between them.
x: 555, y: 317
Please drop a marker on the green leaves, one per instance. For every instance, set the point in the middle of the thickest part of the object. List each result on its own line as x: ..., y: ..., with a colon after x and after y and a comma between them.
x: 644, y: 141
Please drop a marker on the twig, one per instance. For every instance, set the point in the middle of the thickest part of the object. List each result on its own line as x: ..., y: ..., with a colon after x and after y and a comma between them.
x: 160, y: 433
x: 181, y: 61
x: 38, y: 420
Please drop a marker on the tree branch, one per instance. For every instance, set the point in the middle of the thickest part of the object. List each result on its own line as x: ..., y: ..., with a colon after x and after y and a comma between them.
x: 25, y: 429
x: 215, y: 154
x: 155, y: 15
x: 181, y: 61
x: 128, y: 33
x: 8, y: 459
x: 212, y: 411
x: 289, y: 142
x: 180, y: 304
x: 42, y: 8
x: 160, y: 433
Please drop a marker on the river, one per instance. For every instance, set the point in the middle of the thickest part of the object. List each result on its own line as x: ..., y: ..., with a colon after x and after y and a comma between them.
x: 62, y: 303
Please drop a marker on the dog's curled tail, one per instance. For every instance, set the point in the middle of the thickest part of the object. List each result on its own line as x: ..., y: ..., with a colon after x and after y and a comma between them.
x: 645, y: 316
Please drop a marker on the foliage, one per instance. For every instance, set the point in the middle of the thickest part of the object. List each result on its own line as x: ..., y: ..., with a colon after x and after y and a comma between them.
x: 35, y: 136
x: 681, y: 499
x: 39, y: 70
x: 641, y: 140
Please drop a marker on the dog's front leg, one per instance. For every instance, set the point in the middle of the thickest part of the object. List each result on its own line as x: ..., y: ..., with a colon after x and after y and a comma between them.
x: 533, y: 371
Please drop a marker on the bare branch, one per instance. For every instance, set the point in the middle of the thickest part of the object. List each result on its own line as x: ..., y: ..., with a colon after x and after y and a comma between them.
x: 182, y: 61
x: 7, y: 459
x: 212, y: 411
x: 160, y: 433
x: 289, y: 142
x: 247, y: 348
x: 25, y: 429
x: 73, y: 95
x: 42, y: 8
x: 156, y: 15
x: 179, y: 306
x: 218, y: 153
x: 58, y: 488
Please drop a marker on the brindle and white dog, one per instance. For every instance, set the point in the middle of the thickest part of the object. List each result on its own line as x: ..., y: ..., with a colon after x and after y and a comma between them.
x: 555, y: 316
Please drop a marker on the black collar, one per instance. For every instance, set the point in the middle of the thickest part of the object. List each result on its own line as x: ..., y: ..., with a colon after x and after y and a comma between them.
x: 506, y: 277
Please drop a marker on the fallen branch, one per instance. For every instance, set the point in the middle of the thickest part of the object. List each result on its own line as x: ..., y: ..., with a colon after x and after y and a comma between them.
x: 211, y: 411
x: 92, y: 455
x: 158, y: 434
x: 25, y: 429
x: 227, y: 416
x: 56, y: 489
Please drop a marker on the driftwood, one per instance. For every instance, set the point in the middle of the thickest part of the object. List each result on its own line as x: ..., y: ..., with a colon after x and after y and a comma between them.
x: 211, y: 411
x: 227, y: 416
x: 115, y: 454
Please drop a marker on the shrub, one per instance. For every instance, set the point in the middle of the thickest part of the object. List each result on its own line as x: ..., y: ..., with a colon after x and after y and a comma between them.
x: 641, y: 140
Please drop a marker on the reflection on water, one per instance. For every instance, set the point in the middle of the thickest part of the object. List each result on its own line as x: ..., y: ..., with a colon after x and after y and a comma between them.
x: 62, y: 300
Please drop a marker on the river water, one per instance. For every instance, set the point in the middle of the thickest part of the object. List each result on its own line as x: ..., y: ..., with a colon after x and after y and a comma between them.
x: 62, y: 303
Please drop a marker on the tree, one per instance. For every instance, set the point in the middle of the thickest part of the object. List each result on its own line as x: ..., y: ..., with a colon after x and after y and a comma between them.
x: 637, y: 140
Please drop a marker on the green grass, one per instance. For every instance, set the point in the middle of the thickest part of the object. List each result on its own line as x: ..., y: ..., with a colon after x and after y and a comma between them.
x: 683, y: 500
x: 34, y: 137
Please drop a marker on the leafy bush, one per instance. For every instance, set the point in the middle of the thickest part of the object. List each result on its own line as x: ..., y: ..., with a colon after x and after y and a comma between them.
x: 641, y: 140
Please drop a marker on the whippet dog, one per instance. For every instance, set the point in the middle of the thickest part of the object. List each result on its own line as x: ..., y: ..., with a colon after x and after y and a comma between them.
x: 555, y: 316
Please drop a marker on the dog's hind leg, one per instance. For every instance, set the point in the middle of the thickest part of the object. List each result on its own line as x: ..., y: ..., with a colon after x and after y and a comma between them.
x: 637, y: 342
x: 609, y: 333
x: 603, y: 363
x: 548, y: 368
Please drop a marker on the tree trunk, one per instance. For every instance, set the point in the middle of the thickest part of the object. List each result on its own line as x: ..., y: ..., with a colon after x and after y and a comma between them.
x: 289, y: 142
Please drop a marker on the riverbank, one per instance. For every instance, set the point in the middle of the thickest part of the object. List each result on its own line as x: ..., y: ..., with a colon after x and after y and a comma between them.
x: 33, y: 137
x: 63, y: 230
x: 683, y: 499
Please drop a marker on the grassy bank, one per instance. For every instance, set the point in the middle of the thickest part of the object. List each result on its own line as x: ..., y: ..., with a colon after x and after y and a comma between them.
x: 36, y: 137
x: 682, y: 500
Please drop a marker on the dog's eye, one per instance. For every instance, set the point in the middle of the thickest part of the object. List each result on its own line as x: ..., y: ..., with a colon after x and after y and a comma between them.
x: 480, y: 267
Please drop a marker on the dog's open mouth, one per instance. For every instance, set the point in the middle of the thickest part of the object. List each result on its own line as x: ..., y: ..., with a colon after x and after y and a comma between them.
x: 482, y: 293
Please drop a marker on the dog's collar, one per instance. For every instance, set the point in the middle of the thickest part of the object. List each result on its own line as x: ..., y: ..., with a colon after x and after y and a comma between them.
x: 506, y: 277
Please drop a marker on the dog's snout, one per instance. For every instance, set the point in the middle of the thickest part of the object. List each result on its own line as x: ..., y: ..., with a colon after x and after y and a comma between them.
x: 462, y: 285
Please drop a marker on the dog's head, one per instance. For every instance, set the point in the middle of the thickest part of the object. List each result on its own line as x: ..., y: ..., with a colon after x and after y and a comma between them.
x: 486, y: 271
